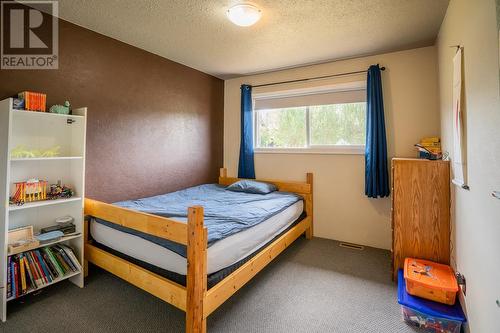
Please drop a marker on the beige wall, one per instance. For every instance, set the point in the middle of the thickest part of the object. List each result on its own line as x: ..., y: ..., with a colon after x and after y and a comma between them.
x: 476, y: 214
x: 341, y: 210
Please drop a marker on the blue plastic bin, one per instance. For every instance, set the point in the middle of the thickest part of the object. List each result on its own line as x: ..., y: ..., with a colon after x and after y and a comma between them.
x: 428, y: 315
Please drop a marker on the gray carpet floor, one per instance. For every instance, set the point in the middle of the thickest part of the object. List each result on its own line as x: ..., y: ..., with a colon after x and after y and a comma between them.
x: 314, y: 286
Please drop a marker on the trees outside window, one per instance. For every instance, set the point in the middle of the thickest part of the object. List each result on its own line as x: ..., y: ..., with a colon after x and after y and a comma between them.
x: 309, y: 126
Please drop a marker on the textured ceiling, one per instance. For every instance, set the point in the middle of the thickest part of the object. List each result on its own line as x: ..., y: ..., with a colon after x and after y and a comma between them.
x: 290, y: 33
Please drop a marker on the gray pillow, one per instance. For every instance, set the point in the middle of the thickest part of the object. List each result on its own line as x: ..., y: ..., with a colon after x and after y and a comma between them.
x: 251, y: 186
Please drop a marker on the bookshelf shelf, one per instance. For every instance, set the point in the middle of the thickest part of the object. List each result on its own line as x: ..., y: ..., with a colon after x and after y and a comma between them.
x: 36, y: 204
x: 67, y: 276
x: 63, y: 239
x: 57, y: 158
x: 41, y: 131
x: 44, y: 114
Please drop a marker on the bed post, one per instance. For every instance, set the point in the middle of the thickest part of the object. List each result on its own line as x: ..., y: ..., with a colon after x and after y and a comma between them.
x: 85, y: 241
x: 223, y: 173
x: 309, y: 206
x: 196, y: 271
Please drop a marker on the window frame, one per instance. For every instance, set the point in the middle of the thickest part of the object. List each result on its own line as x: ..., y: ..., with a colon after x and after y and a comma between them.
x: 309, y: 148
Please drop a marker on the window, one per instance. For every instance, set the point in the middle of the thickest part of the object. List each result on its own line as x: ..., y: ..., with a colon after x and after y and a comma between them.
x: 333, y: 122
x: 282, y: 128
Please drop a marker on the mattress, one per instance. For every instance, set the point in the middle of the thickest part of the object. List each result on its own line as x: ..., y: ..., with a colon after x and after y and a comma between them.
x: 225, y: 212
x: 221, y: 254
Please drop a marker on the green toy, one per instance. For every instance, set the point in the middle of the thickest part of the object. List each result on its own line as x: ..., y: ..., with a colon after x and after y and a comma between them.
x: 61, y: 109
x: 22, y: 152
x: 52, y: 152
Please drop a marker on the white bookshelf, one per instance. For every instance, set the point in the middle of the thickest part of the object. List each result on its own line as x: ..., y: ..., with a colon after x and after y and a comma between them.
x: 41, y: 130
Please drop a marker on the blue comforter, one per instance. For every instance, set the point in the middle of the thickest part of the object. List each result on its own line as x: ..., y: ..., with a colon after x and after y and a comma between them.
x: 225, y: 212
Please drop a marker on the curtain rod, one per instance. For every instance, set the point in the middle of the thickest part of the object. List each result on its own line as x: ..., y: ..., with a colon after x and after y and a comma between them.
x: 313, y: 78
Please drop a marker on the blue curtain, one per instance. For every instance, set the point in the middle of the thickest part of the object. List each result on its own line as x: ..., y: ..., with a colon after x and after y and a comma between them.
x: 376, y: 174
x: 245, y: 165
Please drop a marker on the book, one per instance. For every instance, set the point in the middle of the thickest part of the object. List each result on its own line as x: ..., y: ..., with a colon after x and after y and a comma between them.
x: 44, y: 102
x: 13, y: 282
x: 66, y: 258
x: 9, y: 279
x: 36, y: 274
x: 430, y: 146
x: 61, y: 260
x: 22, y: 95
x: 52, y: 257
x: 16, y: 278
x: 22, y: 274
x: 33, y: 101
x: 72, y: 256
x: 57, y: 260
x: 39, y: 100
x: 39, y: 267
x: 32, y: 284
x: 432, y: 139
x: 50, y: 265
x: 44, y: 267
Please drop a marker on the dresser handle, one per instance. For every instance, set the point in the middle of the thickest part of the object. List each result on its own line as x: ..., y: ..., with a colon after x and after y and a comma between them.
x: 496, y: 194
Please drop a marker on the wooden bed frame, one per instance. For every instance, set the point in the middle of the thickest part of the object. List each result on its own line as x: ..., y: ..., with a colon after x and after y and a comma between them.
x: 194, y: 299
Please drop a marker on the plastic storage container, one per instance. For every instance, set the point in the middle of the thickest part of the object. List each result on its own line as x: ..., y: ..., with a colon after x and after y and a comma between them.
x: 428, y: 315
x: 430, y: 280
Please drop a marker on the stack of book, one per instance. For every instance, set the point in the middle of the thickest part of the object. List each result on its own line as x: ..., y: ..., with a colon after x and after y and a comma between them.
x: 33, y: 101
x: 430, y: 148
x: 31, y: 270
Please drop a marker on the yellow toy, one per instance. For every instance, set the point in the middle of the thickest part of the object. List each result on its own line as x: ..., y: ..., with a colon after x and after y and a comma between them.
x: 29, y: 191
x: 52, y: 152
x: 22, y: 152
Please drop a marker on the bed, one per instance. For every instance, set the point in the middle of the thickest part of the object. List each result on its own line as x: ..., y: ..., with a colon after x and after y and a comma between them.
x: 195, y: 260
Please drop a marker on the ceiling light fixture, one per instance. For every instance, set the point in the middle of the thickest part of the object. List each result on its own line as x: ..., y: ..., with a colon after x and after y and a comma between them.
x: 244, y: 15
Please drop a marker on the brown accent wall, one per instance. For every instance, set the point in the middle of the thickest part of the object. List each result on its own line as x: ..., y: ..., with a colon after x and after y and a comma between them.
x: 154, y: 125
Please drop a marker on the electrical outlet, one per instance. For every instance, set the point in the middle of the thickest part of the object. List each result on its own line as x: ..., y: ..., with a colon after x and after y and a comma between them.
x: 461, y: 282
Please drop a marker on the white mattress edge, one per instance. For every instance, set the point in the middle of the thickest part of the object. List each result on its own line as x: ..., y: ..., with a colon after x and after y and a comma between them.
x: 222, y: 254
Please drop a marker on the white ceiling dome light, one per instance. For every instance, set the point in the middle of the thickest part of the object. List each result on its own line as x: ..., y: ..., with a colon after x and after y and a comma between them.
x: 244, y: 15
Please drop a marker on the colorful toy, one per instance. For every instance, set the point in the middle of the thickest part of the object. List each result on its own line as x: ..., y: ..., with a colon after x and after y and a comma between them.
x: 36, y: 190
x: 430, y: 324
x: 29, y: 191
x: 432, y: 317
x: 59, y: 192
x: 18, y: 104
x: 61, y: 109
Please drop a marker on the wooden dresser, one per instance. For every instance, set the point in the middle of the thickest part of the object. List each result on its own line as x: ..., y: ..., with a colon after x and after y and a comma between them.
x: 420, y: 211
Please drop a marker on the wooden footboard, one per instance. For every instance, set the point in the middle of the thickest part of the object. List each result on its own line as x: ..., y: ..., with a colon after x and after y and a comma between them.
x: 194, y: 299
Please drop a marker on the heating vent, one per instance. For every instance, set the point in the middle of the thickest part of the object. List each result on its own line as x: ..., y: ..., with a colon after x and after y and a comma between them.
x: 352, y: 246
